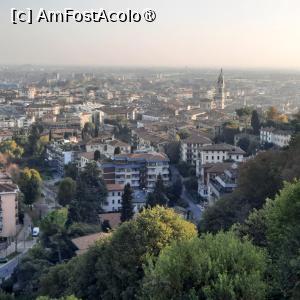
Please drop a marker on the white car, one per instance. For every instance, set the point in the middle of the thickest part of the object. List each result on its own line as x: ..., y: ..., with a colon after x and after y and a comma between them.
x: 35, y: 231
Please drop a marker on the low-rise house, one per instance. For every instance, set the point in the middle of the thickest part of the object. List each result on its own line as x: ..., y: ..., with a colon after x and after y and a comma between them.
x: 107, y: 147
x: 143, y: 139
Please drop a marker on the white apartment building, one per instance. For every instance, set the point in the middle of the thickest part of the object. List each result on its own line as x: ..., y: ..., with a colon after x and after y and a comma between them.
x: 59, y: 155
x: 217, y: 153
x: 280, y: 138
x: 190, y: 148
x: 114, y: 197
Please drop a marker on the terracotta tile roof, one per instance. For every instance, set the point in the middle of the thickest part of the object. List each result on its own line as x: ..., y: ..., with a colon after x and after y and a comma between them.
x: 114, y: 219
x: 83, y: 243
x: 87, y: 155
x: 8, y: 188
x: 115, y: 187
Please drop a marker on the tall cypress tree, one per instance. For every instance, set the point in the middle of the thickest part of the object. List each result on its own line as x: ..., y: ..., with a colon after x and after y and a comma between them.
x: 255, y: 122
x: 127, y: 207
x: 158, y: 196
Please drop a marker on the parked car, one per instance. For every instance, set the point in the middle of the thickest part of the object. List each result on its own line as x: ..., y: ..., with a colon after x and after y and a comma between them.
x: 35, y: 231
x: 3, y: 260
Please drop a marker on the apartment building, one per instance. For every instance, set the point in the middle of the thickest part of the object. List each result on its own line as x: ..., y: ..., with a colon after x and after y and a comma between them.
x: 217, y: 179
x: 218, y: 153
x: 190, y: 148
x: 271, y: 135
x: 8, y: 207
x: 114, y: 198
x: 140, y: 170
x: 59, y: 154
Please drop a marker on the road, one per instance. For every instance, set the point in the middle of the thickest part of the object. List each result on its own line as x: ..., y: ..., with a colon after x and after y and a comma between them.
x: 194, y: 208
x: 23, y: 245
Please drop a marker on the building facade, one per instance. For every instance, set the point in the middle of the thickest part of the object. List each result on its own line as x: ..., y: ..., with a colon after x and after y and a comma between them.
x: 8, y: 207
x: 140, y: 170
x: 270, y: 135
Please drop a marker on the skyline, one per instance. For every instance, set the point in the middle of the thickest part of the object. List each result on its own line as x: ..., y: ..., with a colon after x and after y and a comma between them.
x: 233, y: 35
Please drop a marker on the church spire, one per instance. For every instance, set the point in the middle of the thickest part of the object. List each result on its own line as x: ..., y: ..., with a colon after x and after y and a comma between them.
x: 220, y: 91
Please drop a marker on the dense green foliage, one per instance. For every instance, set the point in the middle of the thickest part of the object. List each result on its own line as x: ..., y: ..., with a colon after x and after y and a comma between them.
x: 158, y: 196
x: 277, y: 228
x: 209, y: 267
x: 255, y: 122
x: 260, y: 178
x: 127, y: 207
x: 30, y: 185
x: 66, y: 191
x: 11, y: 149
x: 113, y: 269
x: 90, y: 194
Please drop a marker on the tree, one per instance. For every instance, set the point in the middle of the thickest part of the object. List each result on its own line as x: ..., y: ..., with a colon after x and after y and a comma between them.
x: 183, y: 134
x: 113, y: 268
x: 35, y: 146
x: 66, y: 191
x: 71, y: 170
x: 90, y: 194
x: 244, y: 111
x: 276, y: 227
x: 255, y: 122
x: 88, y: 131
x: 173, y: 151
x: 272, y: 114
x: 204, y: 268
x: 11, y: 149
x: 283, y: 236
x: 97, y: 155
x: 63, y: 298
x: 28, y: 273
x: 158, y: 196
x: 117, y: 151
x: 54, y: 233
x: 259, y: 178
x: 127, y: 207
x: 30, y: 184
x: 244, y: 143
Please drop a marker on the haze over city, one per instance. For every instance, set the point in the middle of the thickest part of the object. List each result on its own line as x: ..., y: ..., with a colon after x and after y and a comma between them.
x: 232, y: 33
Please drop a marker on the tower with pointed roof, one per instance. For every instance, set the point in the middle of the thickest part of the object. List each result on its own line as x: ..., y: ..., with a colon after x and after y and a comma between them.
x: 220, y: 92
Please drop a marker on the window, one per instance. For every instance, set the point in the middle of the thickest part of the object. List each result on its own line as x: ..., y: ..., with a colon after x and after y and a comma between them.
x: 119, y: 201
x: 119, y: 193
x: 113, y: 201
x: 113, y: 193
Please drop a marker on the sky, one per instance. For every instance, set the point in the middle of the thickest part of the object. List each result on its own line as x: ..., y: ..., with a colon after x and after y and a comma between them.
x: 186, y: 33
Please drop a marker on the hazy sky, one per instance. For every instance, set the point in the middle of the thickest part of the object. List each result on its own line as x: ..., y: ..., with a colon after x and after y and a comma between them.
x: 193, y: 33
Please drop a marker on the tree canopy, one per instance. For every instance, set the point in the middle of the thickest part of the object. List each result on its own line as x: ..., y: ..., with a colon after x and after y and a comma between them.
x: 30, y: 184
x: 209, y: 267
x: 113, y: 268
x: 66, y: 191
